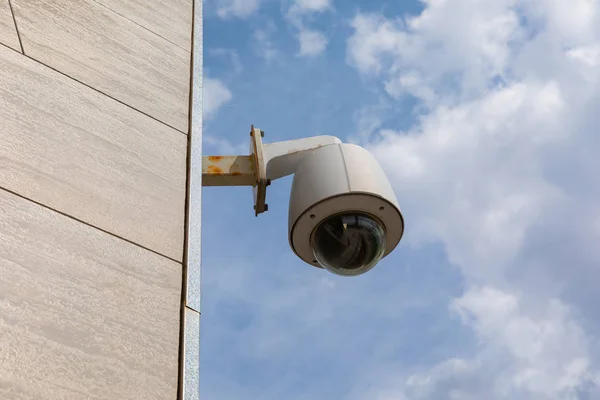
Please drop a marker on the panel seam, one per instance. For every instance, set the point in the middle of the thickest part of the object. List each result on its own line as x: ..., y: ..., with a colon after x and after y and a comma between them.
x: 140, y: 25
x: 96, y: 90
x: 12, y: 12
x: 64, y: 214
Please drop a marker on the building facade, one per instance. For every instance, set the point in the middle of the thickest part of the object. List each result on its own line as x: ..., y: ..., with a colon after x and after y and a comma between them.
x: 95, y: 121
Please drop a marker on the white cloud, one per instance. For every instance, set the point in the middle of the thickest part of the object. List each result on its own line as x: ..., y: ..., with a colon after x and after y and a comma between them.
x: 497, y: 168
x: 312, y: 43
x: 482, y: 155
x: 308, y: 6
x: 437, y: 56
x: 215, y: 95
x: 221, y: 146
x: 486, y: 138
x: 237, y: 8
x: 262, y: 43
x: 541, y: 355
x: 231, y: 55
x: 524, y: 354
x: 368, y: 120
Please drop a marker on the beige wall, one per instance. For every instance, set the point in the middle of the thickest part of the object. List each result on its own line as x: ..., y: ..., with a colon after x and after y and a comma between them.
x: 94, y: 102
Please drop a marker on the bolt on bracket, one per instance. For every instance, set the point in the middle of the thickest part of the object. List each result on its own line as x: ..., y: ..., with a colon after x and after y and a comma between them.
x: 260, y: 171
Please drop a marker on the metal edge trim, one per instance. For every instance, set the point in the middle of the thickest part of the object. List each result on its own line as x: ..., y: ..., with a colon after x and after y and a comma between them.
x: 194, y: 222
x: 191, y: 355
x: 189, y: 384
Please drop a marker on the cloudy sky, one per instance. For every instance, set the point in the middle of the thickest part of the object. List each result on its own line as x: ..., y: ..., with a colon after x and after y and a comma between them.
x: 485, y: 115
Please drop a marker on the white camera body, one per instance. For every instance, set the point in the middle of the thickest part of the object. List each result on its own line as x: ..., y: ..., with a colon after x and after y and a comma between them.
x: 340, y: 179
x: 341, y: 202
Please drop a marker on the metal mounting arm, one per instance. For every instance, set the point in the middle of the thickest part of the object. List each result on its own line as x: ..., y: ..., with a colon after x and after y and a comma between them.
x: 265, y: 163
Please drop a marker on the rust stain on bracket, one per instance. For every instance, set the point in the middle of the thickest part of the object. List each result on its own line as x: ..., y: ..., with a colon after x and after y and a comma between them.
x: 228, y: 171
x: 248, y: 170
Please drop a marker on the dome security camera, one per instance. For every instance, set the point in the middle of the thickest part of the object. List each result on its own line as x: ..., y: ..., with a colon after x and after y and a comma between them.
x: 343, y: 214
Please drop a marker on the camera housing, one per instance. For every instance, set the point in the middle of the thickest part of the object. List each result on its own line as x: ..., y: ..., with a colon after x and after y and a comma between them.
x: 344, y: 182
x: 343, y: 214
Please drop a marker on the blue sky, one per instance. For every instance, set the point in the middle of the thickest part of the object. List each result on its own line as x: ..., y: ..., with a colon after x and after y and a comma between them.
x: 483, y: 116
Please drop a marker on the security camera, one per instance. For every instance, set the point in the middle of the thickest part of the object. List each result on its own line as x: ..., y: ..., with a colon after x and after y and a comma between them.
x: 343, y: 214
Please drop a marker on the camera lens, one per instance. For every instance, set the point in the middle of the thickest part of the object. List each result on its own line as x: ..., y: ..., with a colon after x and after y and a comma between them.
x: 348, y: 243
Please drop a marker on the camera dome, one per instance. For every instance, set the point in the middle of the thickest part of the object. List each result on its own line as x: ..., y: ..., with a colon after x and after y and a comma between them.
x: 349, y: 243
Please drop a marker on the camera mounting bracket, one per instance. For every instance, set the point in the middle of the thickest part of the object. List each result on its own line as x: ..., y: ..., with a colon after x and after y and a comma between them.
x: 265, y: 163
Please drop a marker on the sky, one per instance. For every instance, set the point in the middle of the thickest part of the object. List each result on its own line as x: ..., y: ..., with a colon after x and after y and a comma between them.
x: 484, y: 116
